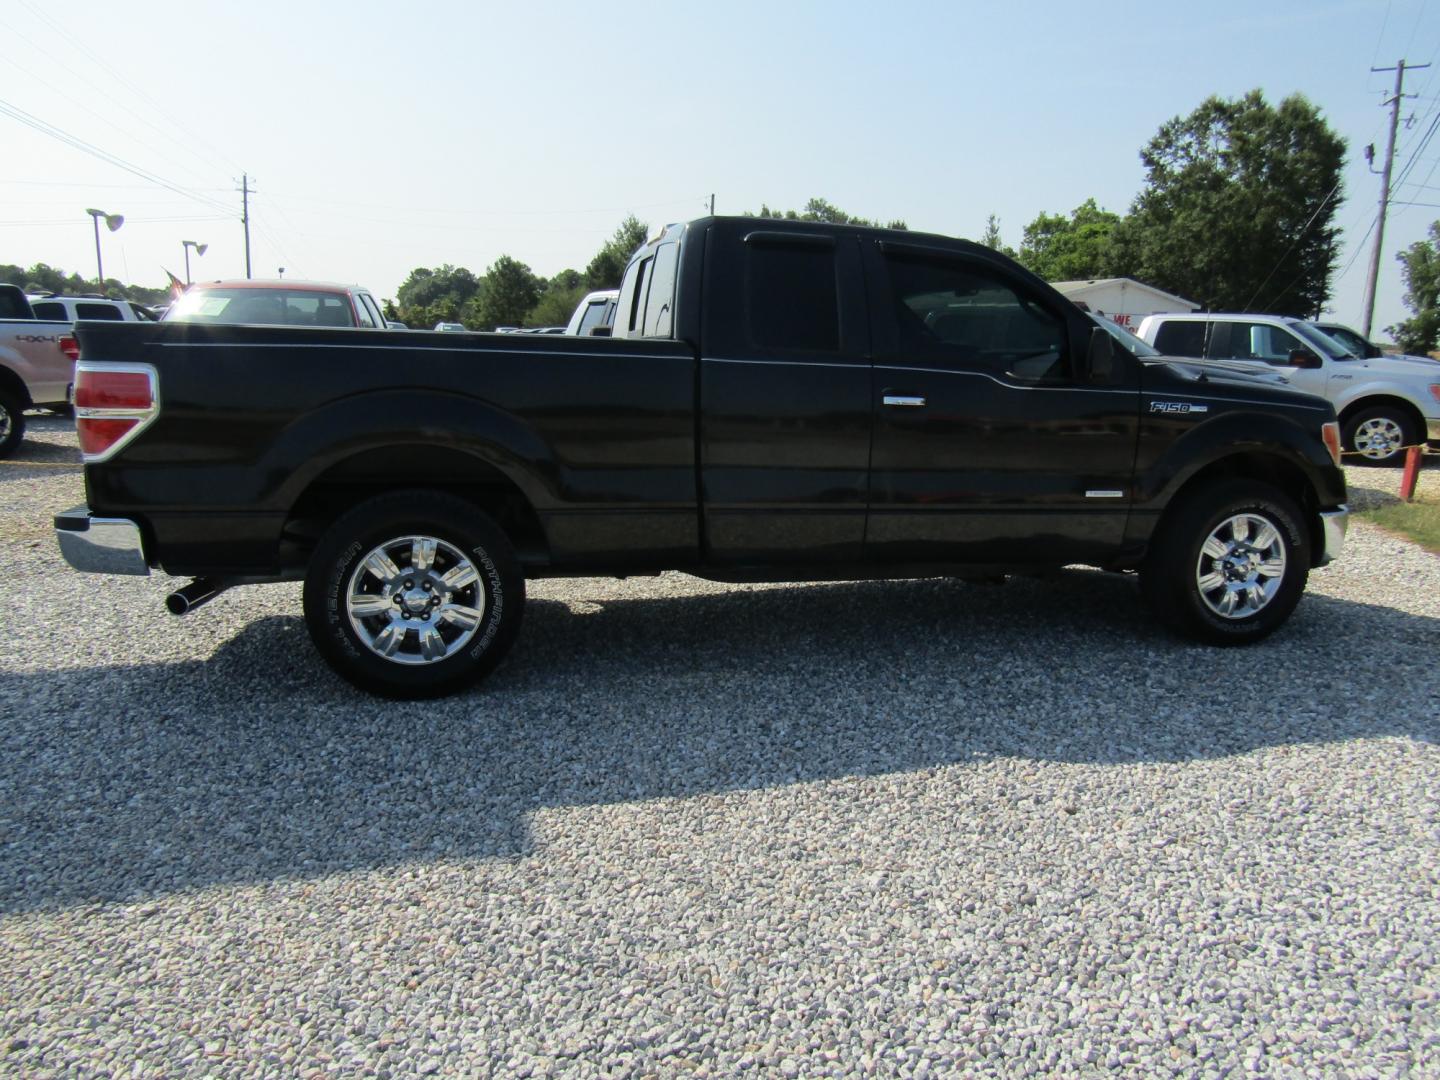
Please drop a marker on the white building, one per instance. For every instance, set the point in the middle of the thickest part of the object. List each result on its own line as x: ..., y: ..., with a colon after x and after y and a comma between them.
x: 1124, y: 300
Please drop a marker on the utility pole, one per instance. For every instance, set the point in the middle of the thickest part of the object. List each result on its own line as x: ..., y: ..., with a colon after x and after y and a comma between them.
x: 245, y: 217
x: 1394, y: 103
x: 712, y: 204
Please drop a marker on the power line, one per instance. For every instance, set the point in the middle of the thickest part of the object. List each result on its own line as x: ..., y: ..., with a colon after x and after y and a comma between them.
x: 75, y: 142
x: 73, y: 40
x: 1294, y: 243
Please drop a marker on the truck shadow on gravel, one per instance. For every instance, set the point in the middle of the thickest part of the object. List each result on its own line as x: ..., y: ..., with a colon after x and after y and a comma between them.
x: 257, y: 764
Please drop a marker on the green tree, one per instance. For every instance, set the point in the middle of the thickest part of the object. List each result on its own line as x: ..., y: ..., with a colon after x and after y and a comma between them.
x: 425, y: 286
x: 1238, y: 206
x: 511, y: 290
x: 557, y: 302
x: 42, y: 278
x: 608, y: 266
x: 1420, y: 265
x: 819, y: 210
x: 1058, y: 248
x: 991, y: 237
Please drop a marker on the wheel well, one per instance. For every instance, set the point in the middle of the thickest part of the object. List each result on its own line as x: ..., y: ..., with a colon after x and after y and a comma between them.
x: 1417, y: 420
x: 396, y: 468
x: 1267, y: 468
x: 13, y: 384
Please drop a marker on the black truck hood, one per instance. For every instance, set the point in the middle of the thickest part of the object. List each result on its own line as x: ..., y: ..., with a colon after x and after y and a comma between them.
x: 1219, y: 379
x: 1225, y: 371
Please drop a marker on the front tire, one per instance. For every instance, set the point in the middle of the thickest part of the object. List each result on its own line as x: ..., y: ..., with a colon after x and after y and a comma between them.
x: 1380, y: 435
x: 12, y: 422
x: 1229, y: 564
x: 414, y: 594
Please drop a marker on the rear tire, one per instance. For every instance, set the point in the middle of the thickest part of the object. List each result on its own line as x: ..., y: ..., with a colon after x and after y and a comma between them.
x: 1379, y: 435
x: 12, y: 422
x: 1228, y: 564
x: 414, y: 594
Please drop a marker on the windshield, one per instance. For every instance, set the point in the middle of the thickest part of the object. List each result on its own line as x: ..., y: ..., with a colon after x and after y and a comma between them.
x: 1323, y: 342
x: 1348, y: 339
x: 274, y: 306
x: 1137, y: 346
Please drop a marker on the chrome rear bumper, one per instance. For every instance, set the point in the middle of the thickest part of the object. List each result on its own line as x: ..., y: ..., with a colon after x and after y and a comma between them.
x: 1333, y: 524
x: 100, y: 545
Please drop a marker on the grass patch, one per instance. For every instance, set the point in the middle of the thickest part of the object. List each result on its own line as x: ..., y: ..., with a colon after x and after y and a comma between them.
x: 1419, y: 520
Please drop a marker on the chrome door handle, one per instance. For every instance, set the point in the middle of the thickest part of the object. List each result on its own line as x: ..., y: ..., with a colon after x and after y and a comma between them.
x: 904, y: 401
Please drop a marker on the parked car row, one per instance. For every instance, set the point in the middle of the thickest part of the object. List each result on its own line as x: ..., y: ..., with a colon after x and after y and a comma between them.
x: 1385, y: 403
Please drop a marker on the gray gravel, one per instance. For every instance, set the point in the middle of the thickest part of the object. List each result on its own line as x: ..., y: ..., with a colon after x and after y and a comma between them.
x: 908, y: 828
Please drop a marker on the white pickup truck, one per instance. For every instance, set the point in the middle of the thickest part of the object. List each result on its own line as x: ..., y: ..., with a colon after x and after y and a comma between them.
x: 37, y: 364
x: 1385, y: 403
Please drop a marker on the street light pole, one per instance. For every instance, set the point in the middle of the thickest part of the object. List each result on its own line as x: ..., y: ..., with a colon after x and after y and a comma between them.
x: 112, y: 222
x: 199, y: 250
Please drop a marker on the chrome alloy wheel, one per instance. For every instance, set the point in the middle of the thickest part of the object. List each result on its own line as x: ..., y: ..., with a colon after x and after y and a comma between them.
x: 1379, y: 438
x: 415, y: 600
x: 1241, y: 566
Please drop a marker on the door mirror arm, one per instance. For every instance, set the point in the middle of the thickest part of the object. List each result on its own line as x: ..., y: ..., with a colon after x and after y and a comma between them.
x: 1098, y: 363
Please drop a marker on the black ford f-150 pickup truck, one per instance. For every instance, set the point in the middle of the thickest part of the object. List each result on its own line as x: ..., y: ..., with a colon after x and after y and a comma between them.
x: 777, y: 401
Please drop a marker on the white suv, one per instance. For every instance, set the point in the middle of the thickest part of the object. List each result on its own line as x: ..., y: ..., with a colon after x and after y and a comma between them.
x: 70, y: 308
x: 1385, y: 403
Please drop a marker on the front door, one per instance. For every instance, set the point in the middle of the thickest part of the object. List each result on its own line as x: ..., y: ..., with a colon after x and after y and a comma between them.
x: 988, y: 448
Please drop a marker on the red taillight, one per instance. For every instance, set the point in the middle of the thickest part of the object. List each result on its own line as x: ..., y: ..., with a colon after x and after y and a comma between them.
x: 69, y: 346
x: 113, y: 403
x: 99, y: 435
x: 106, y: 388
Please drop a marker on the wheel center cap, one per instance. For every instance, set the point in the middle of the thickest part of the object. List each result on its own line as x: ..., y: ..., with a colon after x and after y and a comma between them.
x: 415, y: 600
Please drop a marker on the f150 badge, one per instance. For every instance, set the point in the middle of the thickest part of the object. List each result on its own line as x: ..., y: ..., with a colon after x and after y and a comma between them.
x: 1182, y: 407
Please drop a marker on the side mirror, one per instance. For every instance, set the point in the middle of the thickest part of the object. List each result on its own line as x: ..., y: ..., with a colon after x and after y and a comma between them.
x: 601, y: 331
x: 1099, y: 357
x: 391, y: 324
x: 1303, y: 358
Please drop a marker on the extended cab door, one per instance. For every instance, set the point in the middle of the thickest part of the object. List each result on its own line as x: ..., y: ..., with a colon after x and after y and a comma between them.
x: 988, y: 446
x: 784, y: 395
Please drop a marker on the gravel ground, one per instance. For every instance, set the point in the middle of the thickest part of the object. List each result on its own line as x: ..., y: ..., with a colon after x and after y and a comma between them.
x: 902, y: 828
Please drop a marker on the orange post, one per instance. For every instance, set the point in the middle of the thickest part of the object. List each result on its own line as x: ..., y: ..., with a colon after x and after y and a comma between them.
x: 1411, y: 474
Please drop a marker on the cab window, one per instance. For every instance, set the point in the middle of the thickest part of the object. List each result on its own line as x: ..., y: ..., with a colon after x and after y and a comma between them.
x: 1252, y: 341
x: 965, y: 315
x: 363, y: 312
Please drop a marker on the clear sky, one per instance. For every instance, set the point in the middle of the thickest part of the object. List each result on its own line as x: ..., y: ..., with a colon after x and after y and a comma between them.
x: 381, y: 137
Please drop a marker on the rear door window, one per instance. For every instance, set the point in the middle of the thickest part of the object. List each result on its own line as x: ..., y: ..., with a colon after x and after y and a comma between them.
x: 50, y: 311
x: 98, y: 311
x: 1175, y: 338
x: 792, y: 297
